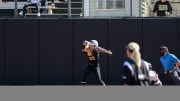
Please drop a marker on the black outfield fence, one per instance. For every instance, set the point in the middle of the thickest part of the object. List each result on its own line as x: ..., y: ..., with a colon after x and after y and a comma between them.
x: 48, y: 51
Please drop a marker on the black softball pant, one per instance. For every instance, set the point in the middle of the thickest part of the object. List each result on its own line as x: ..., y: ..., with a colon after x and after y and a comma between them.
x: 92, y: 69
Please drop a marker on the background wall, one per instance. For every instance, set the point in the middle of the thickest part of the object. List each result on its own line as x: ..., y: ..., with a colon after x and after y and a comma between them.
x: 48, y: 51
x: 21, y: 51
x: 120, y: 33
x: 2, y: 51
x: 158, y: 32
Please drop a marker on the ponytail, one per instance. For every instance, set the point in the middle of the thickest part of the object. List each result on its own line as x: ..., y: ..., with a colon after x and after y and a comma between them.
x: 135, y: 53
x: 136, y: 57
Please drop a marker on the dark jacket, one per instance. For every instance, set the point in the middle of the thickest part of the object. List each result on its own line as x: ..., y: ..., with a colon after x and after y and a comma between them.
x: 131, y: 73
x: 162, y: 7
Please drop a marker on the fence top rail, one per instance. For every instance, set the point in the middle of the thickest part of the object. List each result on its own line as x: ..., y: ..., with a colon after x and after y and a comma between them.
x: 7, y: 17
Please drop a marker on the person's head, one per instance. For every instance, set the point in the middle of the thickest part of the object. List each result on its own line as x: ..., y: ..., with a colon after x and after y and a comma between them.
x: 93, y: 44
x: 163, y: 50
x: 163, y: 0
x: 133, y: 52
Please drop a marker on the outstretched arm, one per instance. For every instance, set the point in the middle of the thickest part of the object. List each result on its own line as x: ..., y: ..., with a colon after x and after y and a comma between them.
x: 100, y: 49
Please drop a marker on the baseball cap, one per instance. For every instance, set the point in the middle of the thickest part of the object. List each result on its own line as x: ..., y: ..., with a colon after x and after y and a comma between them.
x: 163, y: 48
x: 91, y: 43
x: 94, y: 43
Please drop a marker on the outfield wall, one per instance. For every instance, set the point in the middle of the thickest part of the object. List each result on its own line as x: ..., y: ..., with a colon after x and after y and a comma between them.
x: 48, y: 51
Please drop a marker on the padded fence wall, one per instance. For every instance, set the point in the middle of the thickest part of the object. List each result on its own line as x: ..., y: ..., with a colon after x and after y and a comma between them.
x: 158, y: 32
x: 21, y: 56
x: 120, y: 33
x: 2, y: 77
x: 48, y: 51
x: 56, y: 51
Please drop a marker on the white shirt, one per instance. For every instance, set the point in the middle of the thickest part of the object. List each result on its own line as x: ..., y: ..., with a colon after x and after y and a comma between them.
x: 35, y: 1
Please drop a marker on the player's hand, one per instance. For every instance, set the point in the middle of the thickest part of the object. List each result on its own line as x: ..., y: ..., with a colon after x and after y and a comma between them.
x: 110, y: 52
x: 171, y: 71
x: 165, y: 72
x: 167, y: 13
x: 85, y: 42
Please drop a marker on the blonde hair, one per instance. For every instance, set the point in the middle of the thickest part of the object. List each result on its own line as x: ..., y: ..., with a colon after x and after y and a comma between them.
x: 136, y: 55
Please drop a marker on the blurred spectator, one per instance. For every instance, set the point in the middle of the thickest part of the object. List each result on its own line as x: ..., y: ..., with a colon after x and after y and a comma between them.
x: 163, y: 8
x: 30, y: 3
